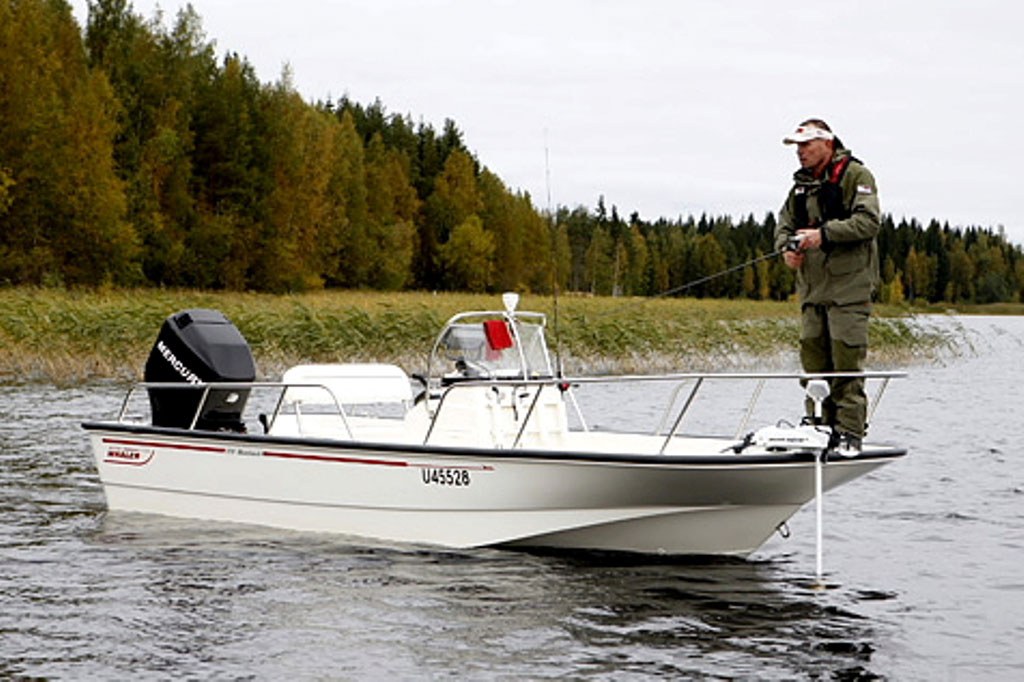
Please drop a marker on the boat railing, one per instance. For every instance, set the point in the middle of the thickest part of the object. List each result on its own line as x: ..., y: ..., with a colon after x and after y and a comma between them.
x: 694, y: 380
x: 671, y: 420
x: 761, y: 379
x: 208, y: 387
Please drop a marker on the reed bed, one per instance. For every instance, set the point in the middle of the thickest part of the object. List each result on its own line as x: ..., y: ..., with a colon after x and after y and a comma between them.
x: 72, y: 336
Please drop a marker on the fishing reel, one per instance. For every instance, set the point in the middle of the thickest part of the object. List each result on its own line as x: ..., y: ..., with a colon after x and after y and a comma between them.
x: 793, y: 243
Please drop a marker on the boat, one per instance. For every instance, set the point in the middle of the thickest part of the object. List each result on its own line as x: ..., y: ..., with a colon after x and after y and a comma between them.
x: 490, y: 447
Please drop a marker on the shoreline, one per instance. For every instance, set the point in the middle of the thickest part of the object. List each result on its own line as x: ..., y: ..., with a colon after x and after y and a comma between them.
x: 71, y: 337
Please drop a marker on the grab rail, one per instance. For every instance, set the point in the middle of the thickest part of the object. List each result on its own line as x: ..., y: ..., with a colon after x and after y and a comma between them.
x: 698, y: 379
x: 207, y: 387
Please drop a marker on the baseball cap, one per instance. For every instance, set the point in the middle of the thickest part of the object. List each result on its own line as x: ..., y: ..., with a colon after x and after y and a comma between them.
x: 806, y: 133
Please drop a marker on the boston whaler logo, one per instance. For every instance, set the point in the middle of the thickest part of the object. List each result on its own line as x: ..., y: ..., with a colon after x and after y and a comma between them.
x: 127, y: 454
x: 179, y: 366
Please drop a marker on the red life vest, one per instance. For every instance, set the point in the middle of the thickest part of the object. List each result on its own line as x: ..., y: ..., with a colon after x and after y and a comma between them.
x: 831, y: 205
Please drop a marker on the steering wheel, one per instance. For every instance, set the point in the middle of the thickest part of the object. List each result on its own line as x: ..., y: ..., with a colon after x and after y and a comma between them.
x: 478, y: 368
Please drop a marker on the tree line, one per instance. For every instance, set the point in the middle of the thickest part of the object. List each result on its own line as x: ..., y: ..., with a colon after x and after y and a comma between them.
x: 132, y: 155
x: 930, y: 263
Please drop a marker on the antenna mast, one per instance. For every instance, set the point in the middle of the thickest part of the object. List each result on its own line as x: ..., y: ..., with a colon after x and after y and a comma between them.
x: 554, y: 256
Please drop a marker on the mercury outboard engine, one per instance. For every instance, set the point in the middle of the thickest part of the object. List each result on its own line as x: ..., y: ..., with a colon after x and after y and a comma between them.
x: 197, y: 346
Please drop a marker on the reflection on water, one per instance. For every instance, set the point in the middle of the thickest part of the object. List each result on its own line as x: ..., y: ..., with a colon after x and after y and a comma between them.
x: 922, y: 559
x: 311, y: 604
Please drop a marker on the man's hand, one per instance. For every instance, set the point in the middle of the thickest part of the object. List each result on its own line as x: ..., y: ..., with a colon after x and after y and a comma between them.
x: 809, y: 239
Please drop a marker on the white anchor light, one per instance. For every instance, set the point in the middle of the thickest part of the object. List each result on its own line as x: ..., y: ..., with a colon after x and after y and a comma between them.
x: 511, y: 300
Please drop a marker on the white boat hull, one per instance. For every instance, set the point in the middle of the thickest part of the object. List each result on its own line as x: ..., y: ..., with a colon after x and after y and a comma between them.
x: 465, y: 497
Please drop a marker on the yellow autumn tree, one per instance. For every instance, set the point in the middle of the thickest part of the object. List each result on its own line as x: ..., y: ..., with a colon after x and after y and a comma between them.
x: 468, y: 256
x: 392, y: 206
x: 65, y: 219
x: 456, y: 198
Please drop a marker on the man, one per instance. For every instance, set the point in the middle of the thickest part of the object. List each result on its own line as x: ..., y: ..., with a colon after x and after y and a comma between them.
x: 829, y: 223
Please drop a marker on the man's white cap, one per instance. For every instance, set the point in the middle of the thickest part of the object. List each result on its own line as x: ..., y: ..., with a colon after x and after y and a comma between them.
x: 806, y: 133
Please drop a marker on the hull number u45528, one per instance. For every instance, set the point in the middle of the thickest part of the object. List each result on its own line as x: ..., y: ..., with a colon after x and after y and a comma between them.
x: 453, y: 477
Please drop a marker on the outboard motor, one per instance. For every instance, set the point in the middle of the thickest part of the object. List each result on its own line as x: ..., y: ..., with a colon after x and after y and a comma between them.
x: 197, y: 346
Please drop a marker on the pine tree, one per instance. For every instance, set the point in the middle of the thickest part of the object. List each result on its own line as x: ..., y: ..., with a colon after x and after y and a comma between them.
x: 599, y: 273
x: 155, y: 74
x: 230, y: 178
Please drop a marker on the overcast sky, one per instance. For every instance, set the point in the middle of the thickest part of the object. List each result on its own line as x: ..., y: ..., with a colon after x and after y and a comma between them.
x: 673, y: 108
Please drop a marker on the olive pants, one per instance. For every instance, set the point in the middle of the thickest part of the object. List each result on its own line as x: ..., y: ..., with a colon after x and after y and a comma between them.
x: 834, y: 338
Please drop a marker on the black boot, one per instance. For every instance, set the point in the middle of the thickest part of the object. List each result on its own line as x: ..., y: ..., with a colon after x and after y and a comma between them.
x: 842, y: 442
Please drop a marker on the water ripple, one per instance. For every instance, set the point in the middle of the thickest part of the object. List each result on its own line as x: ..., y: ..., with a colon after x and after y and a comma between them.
x: 922, y: 567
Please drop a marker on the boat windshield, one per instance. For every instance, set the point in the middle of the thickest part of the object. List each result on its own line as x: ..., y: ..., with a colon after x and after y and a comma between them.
x: 493, y: 345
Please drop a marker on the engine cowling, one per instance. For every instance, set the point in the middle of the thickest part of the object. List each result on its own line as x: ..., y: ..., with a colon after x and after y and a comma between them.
x: 194, y: 347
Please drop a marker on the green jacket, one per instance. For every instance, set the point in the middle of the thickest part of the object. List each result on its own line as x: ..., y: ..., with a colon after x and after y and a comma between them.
x: 845, y: 269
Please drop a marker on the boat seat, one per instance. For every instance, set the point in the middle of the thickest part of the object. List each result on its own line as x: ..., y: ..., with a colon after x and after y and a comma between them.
x: 329, y: 388
x: 347, y: 384
x: 491, y: 417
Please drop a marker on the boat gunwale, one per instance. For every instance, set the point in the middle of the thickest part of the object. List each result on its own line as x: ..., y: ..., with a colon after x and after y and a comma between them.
x: 869, y: 454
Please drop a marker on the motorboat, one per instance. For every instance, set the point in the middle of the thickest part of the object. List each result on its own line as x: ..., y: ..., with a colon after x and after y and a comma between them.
x: 490, y: 447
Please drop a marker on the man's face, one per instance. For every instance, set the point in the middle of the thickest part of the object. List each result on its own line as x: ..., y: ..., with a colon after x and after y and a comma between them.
x: 814, y: 154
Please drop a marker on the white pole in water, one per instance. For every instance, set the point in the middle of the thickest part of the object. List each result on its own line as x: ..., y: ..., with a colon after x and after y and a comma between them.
x: 819, y: 504
x: 817, y: 390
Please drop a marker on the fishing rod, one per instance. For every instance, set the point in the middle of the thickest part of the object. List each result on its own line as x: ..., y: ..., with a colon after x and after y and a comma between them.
x: 722, y: 273
x: 792, y: 244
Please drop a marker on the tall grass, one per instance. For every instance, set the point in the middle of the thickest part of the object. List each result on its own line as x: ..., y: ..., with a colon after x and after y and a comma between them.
x: 67, y: 336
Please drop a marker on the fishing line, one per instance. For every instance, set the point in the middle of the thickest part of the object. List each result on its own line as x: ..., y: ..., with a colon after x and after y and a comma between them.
x: 708, y: 278
x: 791, y: 245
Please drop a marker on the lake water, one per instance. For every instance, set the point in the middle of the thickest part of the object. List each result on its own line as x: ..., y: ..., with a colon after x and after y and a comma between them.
x: 924, y: 566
